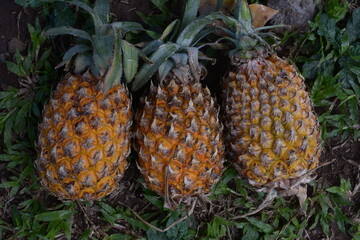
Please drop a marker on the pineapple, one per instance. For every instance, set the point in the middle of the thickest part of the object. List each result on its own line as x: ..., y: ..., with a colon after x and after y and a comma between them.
x: 84, y: 138
x: 178, y: 132
x: 272, y: 131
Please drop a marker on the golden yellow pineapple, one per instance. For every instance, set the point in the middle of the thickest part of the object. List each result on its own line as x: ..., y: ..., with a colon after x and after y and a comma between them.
x: 84, y: 138
x: 272, y: 132
x: 178, y: 133
x: 178, y: 137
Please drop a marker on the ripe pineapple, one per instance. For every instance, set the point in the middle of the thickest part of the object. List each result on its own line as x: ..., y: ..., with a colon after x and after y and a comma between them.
x: 178, y: 133
x: 84, y: 138
x: 272, y: 132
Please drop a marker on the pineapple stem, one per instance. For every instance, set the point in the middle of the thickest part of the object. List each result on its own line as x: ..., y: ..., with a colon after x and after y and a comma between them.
x: 248, y: 43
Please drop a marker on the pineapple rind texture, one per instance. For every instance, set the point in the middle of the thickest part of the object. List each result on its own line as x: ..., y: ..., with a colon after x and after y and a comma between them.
x: 272, y: 131
x: 84, y: 138
x: 179, y: 138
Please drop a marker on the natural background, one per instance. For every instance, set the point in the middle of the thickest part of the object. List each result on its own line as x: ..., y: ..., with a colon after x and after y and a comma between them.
x: 324, y: 43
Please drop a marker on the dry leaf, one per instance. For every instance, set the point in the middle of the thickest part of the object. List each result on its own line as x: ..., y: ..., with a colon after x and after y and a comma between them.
x: 261, y: 14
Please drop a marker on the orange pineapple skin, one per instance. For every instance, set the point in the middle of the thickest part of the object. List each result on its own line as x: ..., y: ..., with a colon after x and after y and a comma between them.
x: 84, y: 138
x: 271, y: 129
x: 179, y: 139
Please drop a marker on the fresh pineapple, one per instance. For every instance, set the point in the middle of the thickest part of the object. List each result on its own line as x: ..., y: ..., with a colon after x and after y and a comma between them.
x: 178, y: 132
x: 84, y: 138
x: 271, y: 129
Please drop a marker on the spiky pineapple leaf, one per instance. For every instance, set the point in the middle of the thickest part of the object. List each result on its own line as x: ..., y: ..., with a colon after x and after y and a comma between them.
x: 168, y: 29
x: 158, y: 57
x: 82, y: 61
x: 69, y: 54
x: 130, y: 60
x: 164, y: 69
x: 161, y: 5
x: 128, y: 26
x: 97, y: 20
x: 102, y: 9
x: 187, y: 36
x: 113, y: 76
x: 68, y: 30
x: 103, y: 51
x: 190, y: 12
x: 152, y: 47
x: 242, y: 14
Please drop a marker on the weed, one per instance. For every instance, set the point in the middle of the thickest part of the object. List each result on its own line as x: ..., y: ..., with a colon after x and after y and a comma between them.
x: 332, y: 63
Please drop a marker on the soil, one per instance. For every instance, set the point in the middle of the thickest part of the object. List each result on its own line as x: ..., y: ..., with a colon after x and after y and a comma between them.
x: 345, y: 163
x: 125, y: 10
x: 13, y: 34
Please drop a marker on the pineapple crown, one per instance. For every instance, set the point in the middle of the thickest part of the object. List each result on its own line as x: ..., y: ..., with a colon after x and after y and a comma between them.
x: 167, y: 55
x: 105, y: 53
x: 248, y: 40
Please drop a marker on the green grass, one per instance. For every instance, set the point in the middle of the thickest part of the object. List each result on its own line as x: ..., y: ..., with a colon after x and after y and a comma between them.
x: 330, y: 53
x: 329, y: 56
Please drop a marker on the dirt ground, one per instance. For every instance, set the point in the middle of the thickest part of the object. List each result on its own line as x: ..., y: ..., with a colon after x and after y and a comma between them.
x: 345, y: 158
x: 13, y: 35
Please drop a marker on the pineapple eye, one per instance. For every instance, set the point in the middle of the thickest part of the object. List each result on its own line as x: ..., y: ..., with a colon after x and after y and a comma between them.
x: 66, y: 97
x: 95, y: 122
x: 88, y: 179
x: 283, y: 92
x: 69, y: 187
x: 90, y: 107
x: 51, y: 136
x: 57, y: 152
x: 110, y: 116
x: 73, y: 112
x: 172, y: 88
x: 110, y: 150
x: 57, y: 117
x: 64, y: 131
x: 62, y: 172
x: 69, y: 149
x: 79, y: 128
x: 283, y: 75
x: 83, y: 92
x: 79, y: 165
x: 105, y: 104
x: 204, y: 129
x: 119, y: 103
x: 96, y: 156
x: 104, y: 136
